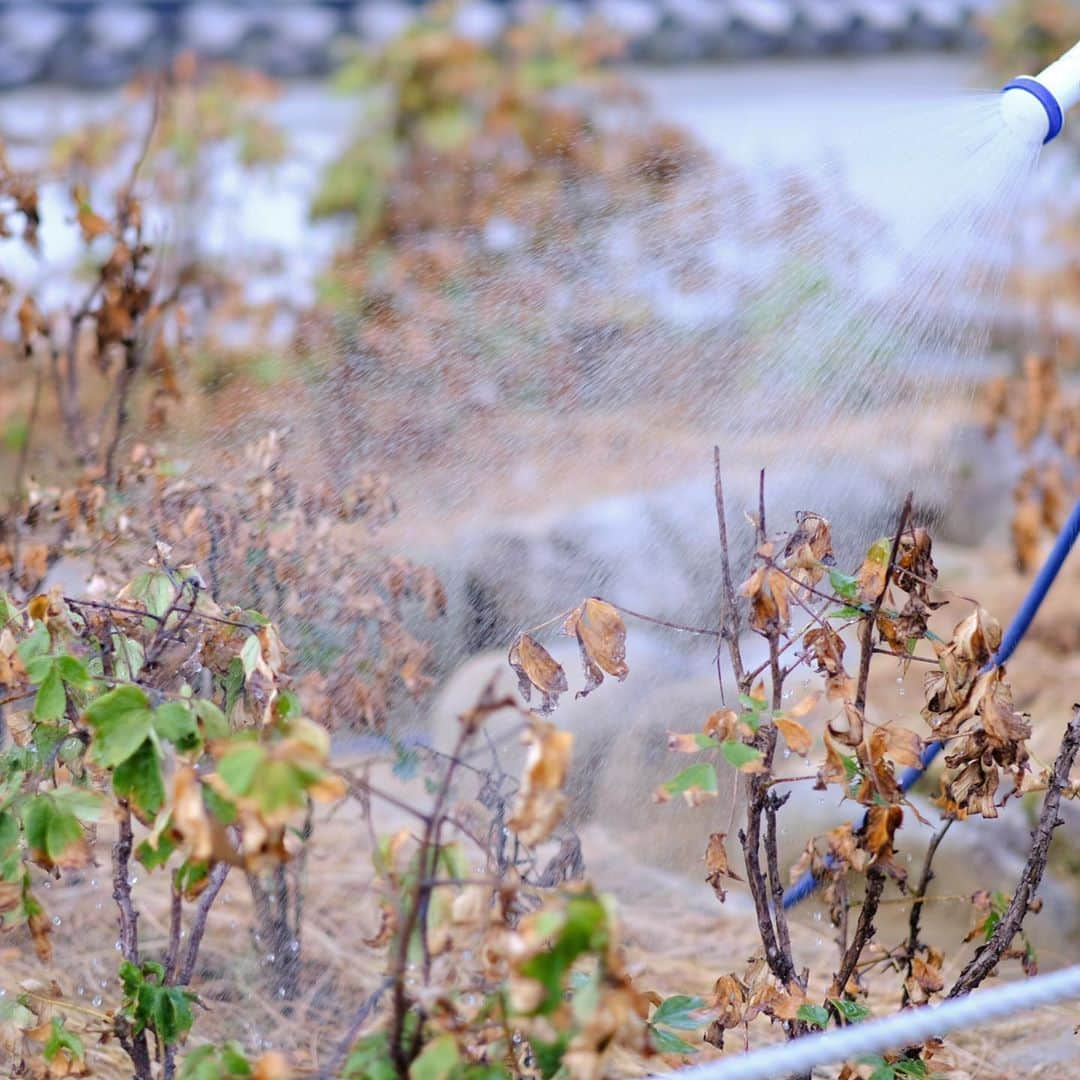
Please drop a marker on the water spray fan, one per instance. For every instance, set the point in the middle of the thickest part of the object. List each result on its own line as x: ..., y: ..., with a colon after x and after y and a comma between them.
x: 1036, y: 104
x: 1034, y: 107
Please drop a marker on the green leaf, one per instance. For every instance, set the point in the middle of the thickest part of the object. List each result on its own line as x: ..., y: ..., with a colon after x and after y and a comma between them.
x: 213, y: 1063
x: 155, y: 851
x: 698, y: 777
x: 817, y: 1015
x: 250, y: 654
x: 51, y: 699
x: 165, y: 1010
x: 851, y: 1011
x: 438, y: 1061
x: 175, y: 722
x: 578, y: 929
x: 369, y: 1059
x: 86, y: 805
x: 129, y: 657
x: 74, y: 672
x: 675, y: 1012
x: 221, y: 808
x: 121, y: 721
x: 287, y: 706
x: 667, y: 1042
x: 62, y: 1039
x: 36, y: 643
x: 191, y: 874
x: 847, y: 612
x: 738, y: 753
x: 238, y: 767
x: 549, y: 1055
x: 138, y: 779
x: 9, y: 832
x: 211, y: 718
x: 38, y: 669
x: 51, y: 830
x: 233, y: 683
x: 155, y: 590
x: 912, y: 1067
x: 845, y: 586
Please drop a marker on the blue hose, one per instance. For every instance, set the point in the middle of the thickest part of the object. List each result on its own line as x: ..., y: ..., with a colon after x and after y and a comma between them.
x: 1012, y: 637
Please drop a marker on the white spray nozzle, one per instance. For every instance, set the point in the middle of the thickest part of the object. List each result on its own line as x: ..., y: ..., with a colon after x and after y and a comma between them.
x: 1035, y: 106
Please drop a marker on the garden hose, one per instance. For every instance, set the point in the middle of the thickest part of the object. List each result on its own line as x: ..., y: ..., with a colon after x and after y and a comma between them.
x: 1012, y: 637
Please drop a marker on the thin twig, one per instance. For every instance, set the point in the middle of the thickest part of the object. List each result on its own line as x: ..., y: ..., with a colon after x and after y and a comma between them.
x: 987, y: 956
x: 370, y: 1004
x: 730, y: 620
x: 129, y: 917
x: 198, y: 925
x: 176, y: 900
x: 875, y: 885
x: 869, y: 624
x: 911, y: 946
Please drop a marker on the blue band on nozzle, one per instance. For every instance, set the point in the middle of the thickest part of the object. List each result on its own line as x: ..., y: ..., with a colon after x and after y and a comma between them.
x: 1054, y: 113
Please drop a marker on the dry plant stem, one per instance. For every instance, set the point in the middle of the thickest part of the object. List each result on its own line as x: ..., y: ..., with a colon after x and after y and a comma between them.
x: 198, y: 926
x: 987, y: 956
x: 730, y: 620
x: 864, y: 931
x: 866, y: 631
x: 341, y: 1054
x: 915, y: 915
x: 129, y: 917
x: 773, y: 803
x: 135, y: 1046
x: 778, y: 959
x: 175, y: 913
x: 24, y: 450
x: 416, y: 907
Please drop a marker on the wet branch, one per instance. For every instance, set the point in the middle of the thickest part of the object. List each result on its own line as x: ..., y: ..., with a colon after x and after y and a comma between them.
x: 987, y: 956
x: 730, y: 621
x: 911, y: 946
x: 864, y: 931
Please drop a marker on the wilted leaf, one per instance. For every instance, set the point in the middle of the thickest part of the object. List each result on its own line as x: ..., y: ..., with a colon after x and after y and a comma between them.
x: 767, y: 590
x: 871, y: 576
x: 795, y: 735
x: 881, y: 825
x: 541, y: 802
x: 716, y: 865
x: 601, y: 636
x: 536, y: 667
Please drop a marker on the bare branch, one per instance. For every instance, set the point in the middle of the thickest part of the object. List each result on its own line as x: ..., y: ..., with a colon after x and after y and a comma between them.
x: 987, y: 956
x: 730, y: 620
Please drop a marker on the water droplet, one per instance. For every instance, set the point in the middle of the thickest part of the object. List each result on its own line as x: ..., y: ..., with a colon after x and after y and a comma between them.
x: 47, y: 885
x: 80, y: 990
x: 899, y: 680
x: 3, y: 992
x: 96, y: 1001
x: 117, y: 946
x: 56, y: 920
x: 93, y: 883
x: 97, y: 906
x: 280, y: 994
x: 294, y: 946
